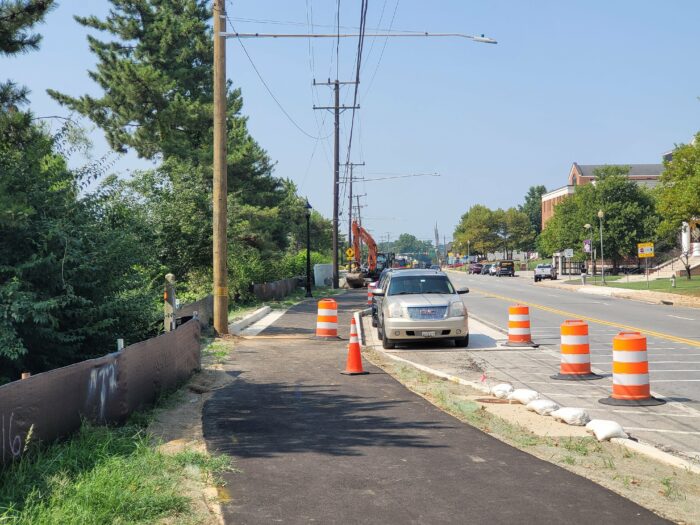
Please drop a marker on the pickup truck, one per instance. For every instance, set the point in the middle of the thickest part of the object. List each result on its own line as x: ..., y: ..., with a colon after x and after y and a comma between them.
x: 545, y: 271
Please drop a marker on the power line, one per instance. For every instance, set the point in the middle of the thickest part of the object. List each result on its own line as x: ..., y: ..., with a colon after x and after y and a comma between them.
x: 381, y: 55
x: 267, y: 87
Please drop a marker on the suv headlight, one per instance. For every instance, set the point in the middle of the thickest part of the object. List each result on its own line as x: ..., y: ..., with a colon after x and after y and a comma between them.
x: 457, y: 309
x: 395, y: 310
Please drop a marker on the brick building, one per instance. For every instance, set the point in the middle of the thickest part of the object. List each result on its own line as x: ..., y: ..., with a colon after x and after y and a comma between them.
x: 580, y: 174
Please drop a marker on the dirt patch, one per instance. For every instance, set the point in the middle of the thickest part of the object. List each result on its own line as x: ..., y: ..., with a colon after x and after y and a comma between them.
x: 178, y: 428
x: 670, y: 492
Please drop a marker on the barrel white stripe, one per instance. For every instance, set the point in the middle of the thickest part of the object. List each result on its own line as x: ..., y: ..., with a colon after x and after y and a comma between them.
x: 574, y: 339
x: 629, y: 357
x: 518, y: 331
x: 325, y: 312
x: 575, y: 358
x: 518, y: 317
x: 327, y: 325
x: 630, y: 379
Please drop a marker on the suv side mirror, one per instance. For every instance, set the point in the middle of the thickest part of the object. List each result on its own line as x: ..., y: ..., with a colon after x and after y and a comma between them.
x: 461, y: 291
x: 378, y: 292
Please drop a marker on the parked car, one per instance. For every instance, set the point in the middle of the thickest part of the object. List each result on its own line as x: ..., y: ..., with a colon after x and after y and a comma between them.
x: 421, y: 305
x: 493, y: 269
x: 383, y: 277
x: 475, y: 268
x: 434, y: 267
x: 505, y: 268
x: 485, y: 269
x: 545, y: 271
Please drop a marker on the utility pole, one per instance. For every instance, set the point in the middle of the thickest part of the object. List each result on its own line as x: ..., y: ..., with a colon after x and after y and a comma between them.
x: 351, y: 165
x: 358, y: 206
x: 337, y: 109
x: 220, y: 176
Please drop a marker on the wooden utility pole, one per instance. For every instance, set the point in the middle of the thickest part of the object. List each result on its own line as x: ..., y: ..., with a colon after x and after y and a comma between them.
x: 337, y: 109
x: 220, y: 189
x: 351, y: 165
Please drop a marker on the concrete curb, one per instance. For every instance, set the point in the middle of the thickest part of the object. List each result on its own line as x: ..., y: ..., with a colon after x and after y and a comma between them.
x: 237, y: 327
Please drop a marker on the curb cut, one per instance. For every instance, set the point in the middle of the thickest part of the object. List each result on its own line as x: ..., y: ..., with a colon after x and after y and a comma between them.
x: 237, y: 327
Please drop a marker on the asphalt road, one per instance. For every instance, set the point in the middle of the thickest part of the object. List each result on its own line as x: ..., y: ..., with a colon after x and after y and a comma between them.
x: 673, y: 350
x: 312, y: 445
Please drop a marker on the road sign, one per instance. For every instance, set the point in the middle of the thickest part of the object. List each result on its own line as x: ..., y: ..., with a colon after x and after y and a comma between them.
x: 645, y: 249
x: 568, y: 253
x: 350, y: 253
x: 587, y: 246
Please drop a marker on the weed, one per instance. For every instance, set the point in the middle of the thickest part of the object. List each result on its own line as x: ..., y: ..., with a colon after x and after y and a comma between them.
x: 569, y: 460
x: 670, y: 490
x: 581, y: 446
x: 608, y: 462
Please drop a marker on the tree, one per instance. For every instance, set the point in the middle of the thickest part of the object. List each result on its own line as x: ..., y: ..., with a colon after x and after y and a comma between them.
x: 533, y: 207
x: 678, y: 198
x: 17, y: 18
x: 478, y: 227
x: 407, y: 243
x: 629, y: 217
x: 513, y: 229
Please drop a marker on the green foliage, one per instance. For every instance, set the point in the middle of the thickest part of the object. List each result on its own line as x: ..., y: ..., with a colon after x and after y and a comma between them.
x: 488, y: 230
x: 532, y: 207
x: 407, y: 243
x: 678, y: 194
x: 629, y: 217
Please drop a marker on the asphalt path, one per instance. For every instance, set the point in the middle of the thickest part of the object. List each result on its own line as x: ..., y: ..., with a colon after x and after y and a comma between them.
x: 312, y: 445
x: 673, y: 349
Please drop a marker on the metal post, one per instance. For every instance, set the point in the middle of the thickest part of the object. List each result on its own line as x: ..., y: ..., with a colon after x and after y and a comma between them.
x: 220, y: 189
x: 169, y: 303
x: 120, y: 345
x: 336, y: 176
x: 308, y: 251
x: 602, y: 254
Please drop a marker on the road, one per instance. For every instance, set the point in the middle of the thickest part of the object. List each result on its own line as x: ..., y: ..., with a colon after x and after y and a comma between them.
x: 673, y: 350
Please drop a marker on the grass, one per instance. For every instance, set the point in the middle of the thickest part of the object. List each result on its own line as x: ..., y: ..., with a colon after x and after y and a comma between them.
x: 684, y: 286
x: 103, y: 475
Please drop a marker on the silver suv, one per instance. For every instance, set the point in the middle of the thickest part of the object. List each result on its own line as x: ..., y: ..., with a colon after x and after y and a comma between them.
x: 420, y: 305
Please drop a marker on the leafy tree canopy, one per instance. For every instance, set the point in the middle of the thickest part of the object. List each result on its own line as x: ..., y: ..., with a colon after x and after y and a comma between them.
x: 532, y: 207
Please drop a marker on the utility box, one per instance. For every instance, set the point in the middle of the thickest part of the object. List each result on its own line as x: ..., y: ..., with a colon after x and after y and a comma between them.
x: 323, y: 275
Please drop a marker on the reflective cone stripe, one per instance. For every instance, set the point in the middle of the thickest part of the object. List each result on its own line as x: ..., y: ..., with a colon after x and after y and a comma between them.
x: 575, y: 348
x: 370, y: 294
x: 519, y: 324
x: 327, y: 318
x: 630, y: 367
x: 353, y: 366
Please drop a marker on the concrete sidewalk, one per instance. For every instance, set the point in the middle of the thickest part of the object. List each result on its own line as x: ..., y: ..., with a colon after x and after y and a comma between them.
x: 314, y: 445
x: 673, y: 427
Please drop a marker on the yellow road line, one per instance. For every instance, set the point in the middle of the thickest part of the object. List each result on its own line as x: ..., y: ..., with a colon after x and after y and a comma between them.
x: 572, y: 315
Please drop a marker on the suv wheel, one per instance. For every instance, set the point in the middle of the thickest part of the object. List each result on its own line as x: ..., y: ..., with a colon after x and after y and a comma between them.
x: 463, y: 342
x: 387, y: 344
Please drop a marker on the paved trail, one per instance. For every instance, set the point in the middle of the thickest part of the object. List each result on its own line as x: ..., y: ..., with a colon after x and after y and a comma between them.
x: 316, y: 446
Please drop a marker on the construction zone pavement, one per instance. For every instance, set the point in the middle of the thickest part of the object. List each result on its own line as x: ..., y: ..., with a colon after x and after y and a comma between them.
x: 312, y: 445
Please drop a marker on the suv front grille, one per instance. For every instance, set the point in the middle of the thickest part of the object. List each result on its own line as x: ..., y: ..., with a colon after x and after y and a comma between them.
x: 427, y: 313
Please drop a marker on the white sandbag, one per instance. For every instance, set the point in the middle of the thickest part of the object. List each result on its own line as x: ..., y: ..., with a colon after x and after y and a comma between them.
x: 523, y: 395
x: 501, y: 391
x: 571, y: 416
x: 605, y: 429
x: 543, y: 407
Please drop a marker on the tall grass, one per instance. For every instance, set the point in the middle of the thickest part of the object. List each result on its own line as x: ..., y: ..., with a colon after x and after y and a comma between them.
x: 101, y: 475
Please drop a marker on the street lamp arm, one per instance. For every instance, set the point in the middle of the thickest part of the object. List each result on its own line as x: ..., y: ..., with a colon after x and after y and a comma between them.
x: 480, y: 38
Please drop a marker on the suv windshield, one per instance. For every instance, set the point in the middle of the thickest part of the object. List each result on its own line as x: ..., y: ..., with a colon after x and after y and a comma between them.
x: 417, y: 284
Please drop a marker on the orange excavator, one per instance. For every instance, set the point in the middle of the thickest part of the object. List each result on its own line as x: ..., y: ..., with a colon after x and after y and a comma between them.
x: 356, y: 277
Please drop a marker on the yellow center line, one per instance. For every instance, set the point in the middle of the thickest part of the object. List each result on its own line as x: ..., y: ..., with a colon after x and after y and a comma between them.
x: 572, y: 315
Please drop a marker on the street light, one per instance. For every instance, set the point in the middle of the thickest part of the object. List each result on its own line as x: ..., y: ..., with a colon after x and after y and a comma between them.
x: 308, y: 248
x: 601, y: 214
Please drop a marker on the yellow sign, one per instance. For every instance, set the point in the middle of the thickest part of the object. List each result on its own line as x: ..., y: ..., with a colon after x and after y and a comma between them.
x: 350, y: 253
x: 449, y: 254
x: 645, y: 249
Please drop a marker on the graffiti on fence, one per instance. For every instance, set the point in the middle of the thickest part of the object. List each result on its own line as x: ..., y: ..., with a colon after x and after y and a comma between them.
x: 102, y: 384
x: 10, y: 440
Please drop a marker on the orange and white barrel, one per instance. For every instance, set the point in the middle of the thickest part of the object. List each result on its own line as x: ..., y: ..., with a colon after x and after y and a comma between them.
x: 519, y: 326
x: 575, y: 352
x: 630, y: 371
x: 327, y: 318
x: 370, y: 294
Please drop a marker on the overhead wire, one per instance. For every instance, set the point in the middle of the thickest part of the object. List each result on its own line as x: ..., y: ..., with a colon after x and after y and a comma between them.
x: 381, y: 55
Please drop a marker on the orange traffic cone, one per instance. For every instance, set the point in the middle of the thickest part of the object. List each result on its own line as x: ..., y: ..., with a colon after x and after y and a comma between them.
x: 353, y: 367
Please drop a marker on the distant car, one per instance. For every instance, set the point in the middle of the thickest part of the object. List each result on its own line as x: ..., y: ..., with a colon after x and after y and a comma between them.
x: 506, y: 268
x: 434, y: 267
x: 421, y: 305
x: 475, y: 267
x: 545, y: 271
x: 485, y: 269
x: 493, y: 270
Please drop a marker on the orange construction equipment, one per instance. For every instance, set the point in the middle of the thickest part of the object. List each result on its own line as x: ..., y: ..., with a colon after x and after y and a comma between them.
x: 353, y: 366
x: 327, y: 319
x: 575, y: 352
x: 631, y: 372
x: 356, y: 278
x: 519, y: 326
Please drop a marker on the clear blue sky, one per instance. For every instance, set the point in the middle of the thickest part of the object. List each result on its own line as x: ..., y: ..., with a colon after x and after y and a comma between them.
x: 590, y: 81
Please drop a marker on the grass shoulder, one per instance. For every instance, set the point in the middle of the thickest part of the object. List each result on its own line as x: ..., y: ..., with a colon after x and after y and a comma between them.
x: 239, y: 310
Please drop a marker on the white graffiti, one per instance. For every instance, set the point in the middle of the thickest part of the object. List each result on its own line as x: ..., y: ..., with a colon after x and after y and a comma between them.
x: 10, y: 441
x: 103, y: 382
